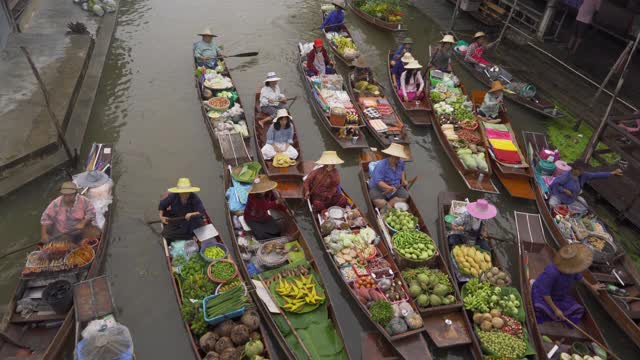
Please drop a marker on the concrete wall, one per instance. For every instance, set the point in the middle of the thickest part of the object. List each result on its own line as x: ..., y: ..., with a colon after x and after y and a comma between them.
x: 5, y: 25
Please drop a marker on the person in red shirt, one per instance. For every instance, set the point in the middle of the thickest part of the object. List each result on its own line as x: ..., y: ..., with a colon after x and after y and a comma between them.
x: 318, y: 60
x: 322, y: 186
x: 256, y: 213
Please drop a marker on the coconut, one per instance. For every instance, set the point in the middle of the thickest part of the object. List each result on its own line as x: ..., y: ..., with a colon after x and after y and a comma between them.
x: 486, y: 326
x: 477, y: 318
x: 497, y: 322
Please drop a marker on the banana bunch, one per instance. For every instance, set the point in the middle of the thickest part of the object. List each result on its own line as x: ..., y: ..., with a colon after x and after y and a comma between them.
x: 282, y: 160
x: 298, y: 292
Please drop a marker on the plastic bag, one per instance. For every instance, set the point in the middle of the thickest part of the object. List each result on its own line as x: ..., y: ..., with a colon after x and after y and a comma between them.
x: 113, y: 342
x: 184, y: 248
x: 98, y: 10
x: 109, y: 5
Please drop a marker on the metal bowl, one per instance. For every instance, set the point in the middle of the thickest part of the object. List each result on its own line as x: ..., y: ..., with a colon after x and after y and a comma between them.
x: 607, y: 253
x: 336, y: 212
x: 402, y: 206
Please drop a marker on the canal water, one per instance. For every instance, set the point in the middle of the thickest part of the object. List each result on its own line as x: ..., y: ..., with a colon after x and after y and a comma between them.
x: 147, y: 107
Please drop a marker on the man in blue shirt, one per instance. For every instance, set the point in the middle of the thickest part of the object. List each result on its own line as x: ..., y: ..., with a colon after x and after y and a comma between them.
x: 335, y: 19
x: 388, y: 181
x: 206, y: 51
x: 566, y: 188
x: 398, y: 68
x: 405, y: 47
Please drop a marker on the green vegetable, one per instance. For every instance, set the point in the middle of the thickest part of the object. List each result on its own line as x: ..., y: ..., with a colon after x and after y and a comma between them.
x: 192, y: 314
x: 414, y: 245
x: 195, y: 265
x: 477, y: 296
x: 226, y: 302
x: 401, y: 220
x: 214, y: 252
x: 230, y: 285
x: 502, y: 344
x: 223, y: 270
x: 425, y: 282
x: 197, y: 287
x: 253, y: 348
x: 381, y: 312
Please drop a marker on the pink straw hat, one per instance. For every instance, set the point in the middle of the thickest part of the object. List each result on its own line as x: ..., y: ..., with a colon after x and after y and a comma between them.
x: 482, y: 209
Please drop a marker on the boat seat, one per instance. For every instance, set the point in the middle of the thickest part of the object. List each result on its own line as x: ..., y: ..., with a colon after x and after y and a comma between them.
x: 555, y: 330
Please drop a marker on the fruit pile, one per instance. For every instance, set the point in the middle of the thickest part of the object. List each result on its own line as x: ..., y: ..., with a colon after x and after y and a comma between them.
x: 429, y: 287
x: 414, y: 245
x: 400, y: 220
x: 298, y: 292
x: 470, y: 260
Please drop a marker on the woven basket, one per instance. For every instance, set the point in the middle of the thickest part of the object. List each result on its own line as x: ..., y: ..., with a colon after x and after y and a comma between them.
x: 220, y: 281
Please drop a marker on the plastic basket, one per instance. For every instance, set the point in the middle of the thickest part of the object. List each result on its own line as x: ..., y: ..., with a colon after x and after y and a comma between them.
x: 211, y: 243
x: 218, y: 319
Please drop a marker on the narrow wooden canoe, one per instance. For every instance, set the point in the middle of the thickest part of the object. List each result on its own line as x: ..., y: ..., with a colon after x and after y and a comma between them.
x: 46, y: 333
x: 625, y: 312
x: 233, y: 147
x: 290, y: 178
x: 411, y: 344
x: 535, y: 256
x: 345, y: 31
x: 401, y: 135
x: 537, y: 103
x: 375, y: 21
x: 516, y: 178
x: 175, y: 280
x: 323, y: 116
x: 292, y: 232
x: 418, y: 112
x: 459, y: 332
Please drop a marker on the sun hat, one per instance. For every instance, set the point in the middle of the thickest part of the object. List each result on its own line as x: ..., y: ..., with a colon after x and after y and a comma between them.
x: 478, y: 35
x: 413, y: 65
x: 573, y: 258
x: 282, y: 113
x: 448, y: 39
x: 262, y: 184
x: 329, y: 158
x: 397, y: 150
x: 407, y: 40
x: 68, y: 188
x: 207, y: 32
x: 338, y: 3
x: 496, y: 86
x: 183, y: 186
x: 407, y: 57
x: 482, y: 209
x: 360, y: 62
x: 271, y: 76
x: 318, y: 42
x: 93, y: 178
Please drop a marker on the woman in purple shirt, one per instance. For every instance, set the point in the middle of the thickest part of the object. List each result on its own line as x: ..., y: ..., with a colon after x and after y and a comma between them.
x: 566, y: 188
x: 388, y: 181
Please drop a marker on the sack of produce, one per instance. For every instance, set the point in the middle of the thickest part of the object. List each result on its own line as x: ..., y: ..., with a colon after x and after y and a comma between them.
x: 114, y: 342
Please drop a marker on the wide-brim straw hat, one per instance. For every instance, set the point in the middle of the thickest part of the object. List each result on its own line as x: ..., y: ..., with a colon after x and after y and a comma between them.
x: 282, y: 113
x: 407, y: 40
x: 496, y: 86
x: 329, y: 158
x: 91, y: 178
x: 397, y: 150
x: 183, y: 186
x: 573, y: 258
x: 68, y: 188
x: 479, y: 34
x: 482, y: 209
x: 407, y: 57
x: 262, y: 184
x: 339, y: 4
x: 413, y: 65
x: 359, y: 62
x: 207, y: 32
x: 448, y: 39
x: 271, y: 76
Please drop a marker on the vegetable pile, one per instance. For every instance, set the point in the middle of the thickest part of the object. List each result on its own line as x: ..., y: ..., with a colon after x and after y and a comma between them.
x: 300, y: 294
x: 223, y: 270
x: 401, y: 220
x: 227, y: 302
x: 502, y: 344
x: 429, y: 287
x: 483, y: 297
x: 414, y: 245
x: 232, y: 340
x: 214, y: 252
x: 470, y: 260
x: 345, y: 45
x: 381, y: 9
x: 496, y: 277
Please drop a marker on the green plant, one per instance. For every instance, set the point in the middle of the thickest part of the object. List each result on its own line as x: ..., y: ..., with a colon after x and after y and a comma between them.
x: 381, y: 312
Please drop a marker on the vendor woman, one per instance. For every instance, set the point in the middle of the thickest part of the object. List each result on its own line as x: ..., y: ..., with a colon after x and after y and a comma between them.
x: 271, y: 99
x: 441, y: 58
x: 322, y: 185
x: 551, y: 290
x: 256, y: 213
x: 388, y: 181
x: 476, y: 49
x: 469, y: 227
x: 280, y: 137
x: 566, y: 188
x: 411, y: 82
x: 185, y: 206
x: 206, y: 51
x: 492, y: 101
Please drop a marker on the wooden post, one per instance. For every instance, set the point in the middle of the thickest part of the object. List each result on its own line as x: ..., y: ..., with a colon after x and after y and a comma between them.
x: 615, y: 67
x: 52, y: 116
x: 506, y: 24
x: 452, y: 24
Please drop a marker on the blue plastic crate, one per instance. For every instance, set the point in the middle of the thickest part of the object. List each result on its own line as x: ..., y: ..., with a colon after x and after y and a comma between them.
x: 218, y: 319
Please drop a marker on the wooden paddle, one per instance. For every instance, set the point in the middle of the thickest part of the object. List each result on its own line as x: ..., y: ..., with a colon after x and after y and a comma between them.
x: 589, y: 336
x: 247, y: 54
x: 157, y: 221
x: 38, y: 242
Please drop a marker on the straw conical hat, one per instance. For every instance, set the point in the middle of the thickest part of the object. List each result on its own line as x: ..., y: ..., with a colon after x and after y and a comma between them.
x: 573, y: 258
x: 183, y: 186
x: 407, y: 57
x: 207, y: 32
x: 262, y: 184
x: 339, y: 3
x: 448, y: 39
x: 479, y: 34
x: 496, y: 86
x: 407, y: 40
x: 413, y: 65
x: 396, y: 150
x: 329, y: 158
x: 68, y: 188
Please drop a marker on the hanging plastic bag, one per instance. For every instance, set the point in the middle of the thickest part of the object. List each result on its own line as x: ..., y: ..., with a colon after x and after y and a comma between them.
x: 113, y: 342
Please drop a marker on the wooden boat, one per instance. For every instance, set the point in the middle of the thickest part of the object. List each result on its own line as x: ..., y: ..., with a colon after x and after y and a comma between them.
x: 198, y: 353
x: 536, y: 255
x: 43, y: 334
x: 515, y: 177
x: 290, y: 178
x: 234, y: 147
x: 411, y: 344
x: 291, y: 232
x: 336, y: 132
x: 418, y: 112
x: 537, y: 103
x: 344, y: 32
x: 399, y: 133
x: 459, y: 331
x: 621, y: 270
x: 93, y: 301
x: 474, y: 179
x: 375, y: 21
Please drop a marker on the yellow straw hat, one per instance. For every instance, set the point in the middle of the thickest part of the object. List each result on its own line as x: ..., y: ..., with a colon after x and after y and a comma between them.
x: 496, y: 86
x: 68, y: 188
x: 397, y: 150
x: 207, y: 32
x: 573, y: 258
x: 183, y: 186
x: 407, y: 57
x: 448, y: 39
x: 262, y: 184
x: 329, y: 158
x: 413, y: 65
x: 478, y: 35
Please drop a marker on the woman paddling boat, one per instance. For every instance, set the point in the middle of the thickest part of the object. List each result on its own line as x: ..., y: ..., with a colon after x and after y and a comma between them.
x: 322, y: 185
x: 441, y: 57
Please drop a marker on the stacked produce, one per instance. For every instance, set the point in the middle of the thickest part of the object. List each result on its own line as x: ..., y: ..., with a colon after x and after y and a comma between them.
x: 496, y: 277
x: 382, y: 9
x: 429, y: 287
x: 234, y: 339
x: 345, y: 45
x: 400, y: 220
x: 58, y: 256
x: 220, y: 99
x: 226, y: 303
x: 471, y: 260
x: 365, y: 88
x: 414, y: 245
x: 299, y: 294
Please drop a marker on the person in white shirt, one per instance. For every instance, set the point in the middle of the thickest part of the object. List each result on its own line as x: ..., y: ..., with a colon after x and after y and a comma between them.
x: 583, y: 22
x: 411, y: 82
x: 271, y: 99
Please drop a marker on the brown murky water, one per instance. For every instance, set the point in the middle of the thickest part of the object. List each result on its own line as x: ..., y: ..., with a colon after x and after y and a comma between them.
x: 147, y: 107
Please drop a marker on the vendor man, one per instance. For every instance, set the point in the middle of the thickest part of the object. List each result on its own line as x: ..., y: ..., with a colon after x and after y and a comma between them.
x: 68, y: 212
x: 335, y: 20
x: 185, y: 207
x: 388, y: 182
x: 566, y: 188
x: 206, y: 51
